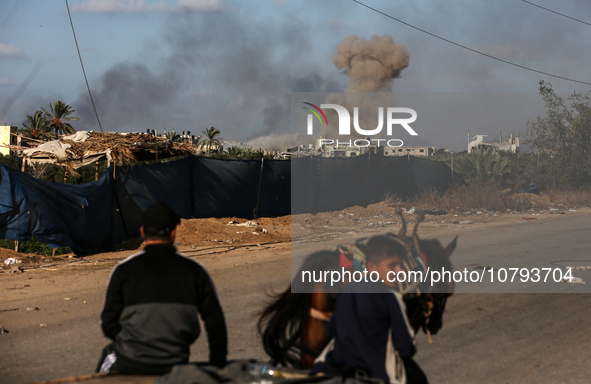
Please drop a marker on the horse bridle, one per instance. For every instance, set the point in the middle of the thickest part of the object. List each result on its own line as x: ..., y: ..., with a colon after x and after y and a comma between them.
x: 417, y: 260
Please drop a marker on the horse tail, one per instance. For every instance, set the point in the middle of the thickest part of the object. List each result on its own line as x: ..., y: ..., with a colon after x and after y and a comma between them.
x: 281, y: 324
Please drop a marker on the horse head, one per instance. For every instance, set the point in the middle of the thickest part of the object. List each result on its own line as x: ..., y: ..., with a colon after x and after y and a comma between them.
x: 430, y: 299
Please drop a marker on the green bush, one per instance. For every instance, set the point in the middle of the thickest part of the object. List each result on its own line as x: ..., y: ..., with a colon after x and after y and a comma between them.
x: 34, y: 246
x: 11, y: 161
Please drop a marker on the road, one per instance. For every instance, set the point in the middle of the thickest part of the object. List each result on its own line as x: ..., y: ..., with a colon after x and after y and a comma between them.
x: 486, y: 337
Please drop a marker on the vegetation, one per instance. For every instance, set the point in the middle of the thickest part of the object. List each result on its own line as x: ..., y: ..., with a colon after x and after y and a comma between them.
x: 238, y: 153
x: 48, y: 125
x: 34, y: 246
x: 485, y: 198
x: 485, y: 166
x: 561, y: 157
x: 176, y: 138
x: 211, y: 139
x: 565, y: 135
x: 11, y: 161
x: 36, y: 126
x: 58, y: 116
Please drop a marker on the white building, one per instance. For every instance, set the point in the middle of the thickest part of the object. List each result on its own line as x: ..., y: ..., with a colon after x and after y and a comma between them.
x: 508, y: 146
x: 408, y: 150
x: 7, y: 137
x: 332, y: 150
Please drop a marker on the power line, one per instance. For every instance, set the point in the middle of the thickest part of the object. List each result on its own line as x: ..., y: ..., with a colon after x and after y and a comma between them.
x: 471, y: 49
x: 83, y: 71
x: 558, y: 13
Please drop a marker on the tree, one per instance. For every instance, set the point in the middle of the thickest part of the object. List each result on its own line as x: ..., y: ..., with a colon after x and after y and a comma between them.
x: 37, y: 126
x: 485, y: 165
x: 211, y: 139
x: 235, y: 152
x: 175, y: 137
x: 60, y: 113
x: 565, y: 134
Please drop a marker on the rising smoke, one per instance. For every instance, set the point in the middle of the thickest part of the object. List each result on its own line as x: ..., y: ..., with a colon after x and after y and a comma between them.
x: 371, y: 65
x: 236, y: 76
x: 216, y: 70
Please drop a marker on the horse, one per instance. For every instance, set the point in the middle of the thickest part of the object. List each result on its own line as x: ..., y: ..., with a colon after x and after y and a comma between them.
x: 293, y: 324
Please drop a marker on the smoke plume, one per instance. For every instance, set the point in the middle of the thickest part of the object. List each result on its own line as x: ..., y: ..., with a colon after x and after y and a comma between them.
x: 274, y: 142
x: 371, y: 65
x: 217, y: 70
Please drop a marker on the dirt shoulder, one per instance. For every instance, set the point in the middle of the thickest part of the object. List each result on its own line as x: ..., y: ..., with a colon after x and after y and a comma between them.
x: 215, y: 236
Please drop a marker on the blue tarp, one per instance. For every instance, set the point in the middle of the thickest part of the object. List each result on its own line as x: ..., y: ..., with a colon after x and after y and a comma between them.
x: 94, y: 217
x: 77, y: 216
x: 137, y: 188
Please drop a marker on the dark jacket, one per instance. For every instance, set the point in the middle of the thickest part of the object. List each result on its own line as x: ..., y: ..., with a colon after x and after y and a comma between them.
x: 151, y: 310
x: 370, y: 332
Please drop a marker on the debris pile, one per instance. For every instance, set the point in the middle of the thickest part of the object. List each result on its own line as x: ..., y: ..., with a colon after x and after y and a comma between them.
x: 83, y: 148
x: 124, y: 146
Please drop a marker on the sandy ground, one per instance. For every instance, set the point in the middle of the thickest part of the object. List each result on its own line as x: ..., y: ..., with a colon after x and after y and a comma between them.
x: 216, y: 234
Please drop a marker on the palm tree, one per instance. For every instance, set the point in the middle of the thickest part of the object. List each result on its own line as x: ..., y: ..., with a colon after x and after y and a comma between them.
x: 235, y: 152
x: 487, y: 165
x: 60, y: 112
x: 37, y: 126
x: 173, y: 136
x: 211, y: 139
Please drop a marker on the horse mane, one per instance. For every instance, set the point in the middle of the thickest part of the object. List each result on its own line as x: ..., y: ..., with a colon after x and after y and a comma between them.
x: 282, y: 321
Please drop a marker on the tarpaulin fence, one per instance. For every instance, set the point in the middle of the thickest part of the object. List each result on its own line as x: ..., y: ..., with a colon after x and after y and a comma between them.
x: 324, y: 184
x: 94, y: 217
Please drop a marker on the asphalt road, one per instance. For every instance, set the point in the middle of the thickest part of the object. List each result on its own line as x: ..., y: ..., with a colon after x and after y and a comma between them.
x: 520, y: 332
x: 486, y: 337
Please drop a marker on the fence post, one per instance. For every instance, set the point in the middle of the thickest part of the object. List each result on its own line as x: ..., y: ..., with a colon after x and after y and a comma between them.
x: 309, y: 194
x: 409, y: 174
x: 366, y: 179
x: 255, y: 213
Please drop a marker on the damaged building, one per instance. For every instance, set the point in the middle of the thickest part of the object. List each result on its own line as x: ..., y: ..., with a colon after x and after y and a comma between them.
x: 512, y: 145
x: 333, y: 150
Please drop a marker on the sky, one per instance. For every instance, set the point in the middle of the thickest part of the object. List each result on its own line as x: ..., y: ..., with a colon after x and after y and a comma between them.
x: 187, y: 65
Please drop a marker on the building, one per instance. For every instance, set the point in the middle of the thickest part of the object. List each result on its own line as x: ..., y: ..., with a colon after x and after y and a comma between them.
x: 332, y: 150
x: 7, y: 137
x: 512, y: 145
x: 408, y: 150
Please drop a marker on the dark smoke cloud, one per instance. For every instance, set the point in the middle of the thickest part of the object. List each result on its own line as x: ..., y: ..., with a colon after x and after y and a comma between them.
x: 131, y: 96
x: 218, y: 70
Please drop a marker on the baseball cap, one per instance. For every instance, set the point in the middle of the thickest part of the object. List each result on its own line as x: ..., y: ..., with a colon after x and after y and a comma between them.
x: 159, y: 220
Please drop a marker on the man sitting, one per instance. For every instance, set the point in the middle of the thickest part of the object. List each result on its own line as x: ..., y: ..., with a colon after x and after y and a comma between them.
x: 152, y: 304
